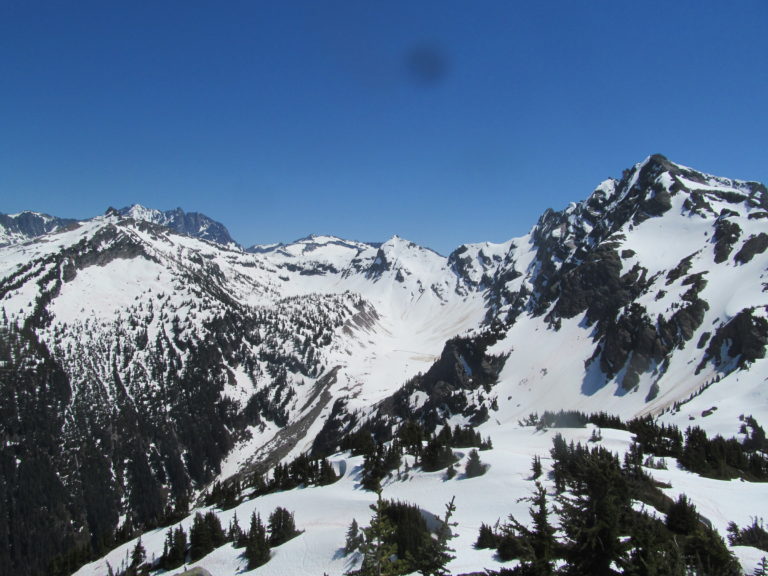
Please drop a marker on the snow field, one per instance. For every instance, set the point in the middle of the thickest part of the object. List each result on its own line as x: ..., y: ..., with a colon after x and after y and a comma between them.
x: 325, y: 513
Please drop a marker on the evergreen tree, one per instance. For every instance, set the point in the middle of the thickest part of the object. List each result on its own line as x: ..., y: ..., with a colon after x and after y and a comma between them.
x: 200, y: 542
x: 536, y: 468
x: 354, y: 539
x: 591, y: 516
x: 654, y: 551
x: 474, y: 466
x: 256, y: 546
x: 379, y: 550
x: 486, y: 538
x: 762, y: 568
x: 682, y: 517
x: 234, y: 532
x: 282, y: 527
x: 436, y: 552
x: 174, y: 549
x: 753, y: 535
x: 138, y: 555
x: 437, y: 455
x: 411, y: 436
x: 536, y: 545
x: 326, y: 475
x: 706, y: 555
x: 216, y: 532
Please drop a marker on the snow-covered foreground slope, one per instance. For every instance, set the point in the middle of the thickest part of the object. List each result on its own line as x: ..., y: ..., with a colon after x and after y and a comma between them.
x: 325, y: 513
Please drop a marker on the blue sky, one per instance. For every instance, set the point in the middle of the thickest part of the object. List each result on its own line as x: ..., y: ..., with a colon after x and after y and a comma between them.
x: 443, y: 122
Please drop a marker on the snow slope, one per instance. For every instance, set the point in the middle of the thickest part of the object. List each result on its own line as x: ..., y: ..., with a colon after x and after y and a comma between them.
x: 324, y: 513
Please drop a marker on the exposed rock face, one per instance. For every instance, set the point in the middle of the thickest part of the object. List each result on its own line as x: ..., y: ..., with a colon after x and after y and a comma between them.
x: 741, y: 340
x: 191, y: 224
x: 727, y: 233
x: 753, y: 246
x: 28, y: 225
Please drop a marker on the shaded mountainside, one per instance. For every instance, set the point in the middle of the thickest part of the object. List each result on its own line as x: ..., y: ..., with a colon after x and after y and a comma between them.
x: 27, y: 225
x: 145, y: 355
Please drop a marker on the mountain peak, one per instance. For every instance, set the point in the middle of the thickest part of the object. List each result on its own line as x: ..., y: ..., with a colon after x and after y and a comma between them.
x: 192, y: 224
x: 26, y: 225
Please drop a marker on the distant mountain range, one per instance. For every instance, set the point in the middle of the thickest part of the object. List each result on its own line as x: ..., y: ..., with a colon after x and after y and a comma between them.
x: 15, y: 228
x: 152, y: 355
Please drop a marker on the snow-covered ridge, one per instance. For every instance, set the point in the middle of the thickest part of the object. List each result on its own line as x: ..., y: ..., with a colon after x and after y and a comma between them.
x: 648, y: 297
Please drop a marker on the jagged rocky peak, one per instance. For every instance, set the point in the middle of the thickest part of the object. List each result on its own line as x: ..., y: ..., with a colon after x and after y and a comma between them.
x: 26, y: 225
x: 405, y: 258
x: 644, y: 191
x: 477, y: 264
x: 192, y: 224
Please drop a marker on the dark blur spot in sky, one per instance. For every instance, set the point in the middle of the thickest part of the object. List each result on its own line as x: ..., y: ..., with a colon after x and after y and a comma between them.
x: 426, y: 64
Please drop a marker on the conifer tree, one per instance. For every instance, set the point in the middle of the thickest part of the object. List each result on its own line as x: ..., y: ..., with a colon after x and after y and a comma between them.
x: 706, y: 554
x: 256, y: 546
x: 282, y: 526
x: 234, y: 532
x: 536, y: 468
x: 436, y: 552
x: 486, y: 537
x: 326, y: 475
x: 216, y: 532
x: 354, y: 539
x: 682, y: 517
x: 174, y: 549
x: 200, y: 542
x: 474, y: 466
x: 379, y: 550
x: 535, y: 545
x: 591, y: 515
x: 654, y: 551
x: 138, y: 555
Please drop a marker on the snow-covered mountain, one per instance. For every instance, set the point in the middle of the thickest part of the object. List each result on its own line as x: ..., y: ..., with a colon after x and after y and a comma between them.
x: 188, y: 223
x: 26, y: 225
x: 166, y: 357
x: 16, y: 228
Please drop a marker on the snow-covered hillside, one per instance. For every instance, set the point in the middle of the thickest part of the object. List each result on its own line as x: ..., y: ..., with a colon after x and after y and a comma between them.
x: 325, y: 513
x: 184, y: 360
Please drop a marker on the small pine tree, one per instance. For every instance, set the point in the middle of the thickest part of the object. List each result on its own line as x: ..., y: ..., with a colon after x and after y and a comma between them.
x: 486, y: 538
x: 282, y: 527
x: 474, y: 466
x: 762, y: 568
x: 256, y: 544
x: 436, y: 552
x: 354, y: 538
x: 536, y: 468
x: 535, y: 545
x: 175, y: 548
x: 705, y: 553
x: 379, y: 549
x: 216, y: 532
x: 682, y: 517
x: 138, y: 555
x: 326, y: 475
x: 200, y: 542
x: 234, y: 532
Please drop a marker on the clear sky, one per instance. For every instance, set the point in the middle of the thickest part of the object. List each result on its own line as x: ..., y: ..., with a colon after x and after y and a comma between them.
x: 443, y: 122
